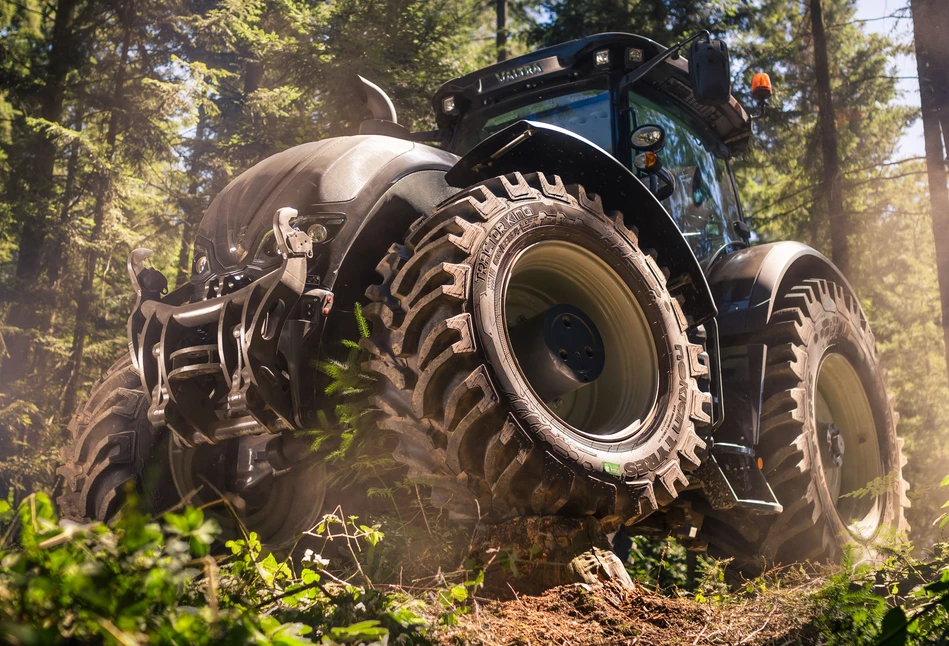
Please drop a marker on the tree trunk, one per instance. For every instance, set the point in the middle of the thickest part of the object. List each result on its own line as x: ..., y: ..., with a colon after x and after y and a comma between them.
x: 57, y: 251
x: 192, y: 208
x: 935, y: 113
x: 502, y: 30
x: 253, y: 76
x: 104, y: 196
x: 23, y: 315
x: 827, y: 124
x: 56, y: 261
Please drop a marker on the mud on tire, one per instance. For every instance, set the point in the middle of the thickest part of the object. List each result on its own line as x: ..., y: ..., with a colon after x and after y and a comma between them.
x: 469, y: 423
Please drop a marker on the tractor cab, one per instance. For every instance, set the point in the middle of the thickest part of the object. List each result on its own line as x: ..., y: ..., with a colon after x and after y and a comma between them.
x: 595, y: 88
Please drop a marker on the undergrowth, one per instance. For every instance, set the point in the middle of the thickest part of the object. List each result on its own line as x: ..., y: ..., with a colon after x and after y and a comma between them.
x: 147, y: 581
x: 355, y: 581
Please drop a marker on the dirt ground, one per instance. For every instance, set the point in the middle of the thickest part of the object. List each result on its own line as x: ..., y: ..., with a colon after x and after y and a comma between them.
x: 582, y: 614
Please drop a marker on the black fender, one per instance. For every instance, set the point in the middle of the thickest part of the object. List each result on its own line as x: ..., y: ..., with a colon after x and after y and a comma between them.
x: 528, y: 146
x: 365, y: 190
x: 747, y: 285
x: 746, y: 282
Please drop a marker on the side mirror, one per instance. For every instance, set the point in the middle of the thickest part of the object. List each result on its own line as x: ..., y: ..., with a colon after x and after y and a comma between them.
x: 709, y: 72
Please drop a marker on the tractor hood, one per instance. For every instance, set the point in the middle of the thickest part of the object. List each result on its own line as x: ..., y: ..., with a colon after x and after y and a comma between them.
x: 236, y: 229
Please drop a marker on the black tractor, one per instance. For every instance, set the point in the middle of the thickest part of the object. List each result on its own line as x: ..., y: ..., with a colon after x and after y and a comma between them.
x: 568, y: 317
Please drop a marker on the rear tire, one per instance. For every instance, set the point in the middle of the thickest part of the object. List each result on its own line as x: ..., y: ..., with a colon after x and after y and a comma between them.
x: 450, y: 384
x: 823, y: 387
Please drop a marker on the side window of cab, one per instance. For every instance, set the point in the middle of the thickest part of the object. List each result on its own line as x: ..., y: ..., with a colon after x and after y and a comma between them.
x: 704, y: 203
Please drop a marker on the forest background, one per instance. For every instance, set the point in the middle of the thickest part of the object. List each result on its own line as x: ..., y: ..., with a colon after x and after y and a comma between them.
x: 121, y: 119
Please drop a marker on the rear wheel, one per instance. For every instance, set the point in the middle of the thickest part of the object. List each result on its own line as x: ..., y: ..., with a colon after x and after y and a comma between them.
x: 531, y: 360
x: 828, y: 430
x: 113, y: 443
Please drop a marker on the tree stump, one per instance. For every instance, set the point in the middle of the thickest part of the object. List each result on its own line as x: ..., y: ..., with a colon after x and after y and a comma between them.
x: 531, y: 554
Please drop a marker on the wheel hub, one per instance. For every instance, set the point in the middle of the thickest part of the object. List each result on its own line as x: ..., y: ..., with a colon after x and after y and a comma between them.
x: 253, y: 465
x: 845, y: 424
x: 274, y: 483
x: 835, y: 445
x: 561, y: 350
x: 566, y: 308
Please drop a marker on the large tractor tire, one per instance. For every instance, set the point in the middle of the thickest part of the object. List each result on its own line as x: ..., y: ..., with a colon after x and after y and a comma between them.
x: 113, y: 444
x: 531, y: 359
x: 828, y: 432
x: 111, y: 441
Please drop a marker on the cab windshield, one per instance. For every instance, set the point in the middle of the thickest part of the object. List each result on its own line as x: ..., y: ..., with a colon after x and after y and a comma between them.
x: 585, y: 112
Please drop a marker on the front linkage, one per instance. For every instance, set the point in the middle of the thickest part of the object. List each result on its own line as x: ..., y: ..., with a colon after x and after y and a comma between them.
x: 224, y: 361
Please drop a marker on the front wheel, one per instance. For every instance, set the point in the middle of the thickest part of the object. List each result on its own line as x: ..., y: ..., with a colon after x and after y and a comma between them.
x: 113, y: 445
x: 532, y: 360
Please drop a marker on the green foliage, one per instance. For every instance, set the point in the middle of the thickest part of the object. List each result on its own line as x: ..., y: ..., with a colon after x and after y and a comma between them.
x: 129, y: 585
x: 359, y: 450
x: 943, y: 518
x: 456, y: 599
x: 658, y: 564
x: 661, y: 20
x: 851, y: 613
x: 154, y: 582
x: 901, y: 601
x: 876, y: 487
x: 712, y: 587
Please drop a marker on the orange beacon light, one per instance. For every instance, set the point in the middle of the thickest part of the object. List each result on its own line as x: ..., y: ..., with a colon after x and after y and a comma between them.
x: 761, y: 87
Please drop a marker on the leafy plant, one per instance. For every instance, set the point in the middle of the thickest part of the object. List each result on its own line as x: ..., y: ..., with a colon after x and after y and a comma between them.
x: 456, y: 599
x: 659, y: 564
x: 943, y: 518
x: 876, y: 487
x: 156, y: 582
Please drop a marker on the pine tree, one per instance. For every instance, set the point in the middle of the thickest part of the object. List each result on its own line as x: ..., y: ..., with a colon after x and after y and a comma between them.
x: 665, y: 21
x: 931, y: 29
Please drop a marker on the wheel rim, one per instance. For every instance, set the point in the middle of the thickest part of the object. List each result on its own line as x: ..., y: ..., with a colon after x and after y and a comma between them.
x: 614, y: 405
x: 849, y: 444
x: 278, y: 509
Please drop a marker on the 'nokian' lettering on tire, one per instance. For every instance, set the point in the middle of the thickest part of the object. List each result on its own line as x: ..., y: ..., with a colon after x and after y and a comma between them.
x: 450, y: 385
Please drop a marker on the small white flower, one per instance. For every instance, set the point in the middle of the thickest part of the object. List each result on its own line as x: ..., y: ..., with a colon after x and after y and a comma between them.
x: 310, y: 556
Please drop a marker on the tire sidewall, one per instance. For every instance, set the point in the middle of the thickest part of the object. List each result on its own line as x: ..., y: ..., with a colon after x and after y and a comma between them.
x: 834, y: 332
x: 507, y: 235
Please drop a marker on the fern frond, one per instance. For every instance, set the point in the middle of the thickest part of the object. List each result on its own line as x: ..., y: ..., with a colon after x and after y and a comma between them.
x: 361, y: 321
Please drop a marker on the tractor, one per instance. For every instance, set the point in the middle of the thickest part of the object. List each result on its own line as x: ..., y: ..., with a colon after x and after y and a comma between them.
x: 566, y: 315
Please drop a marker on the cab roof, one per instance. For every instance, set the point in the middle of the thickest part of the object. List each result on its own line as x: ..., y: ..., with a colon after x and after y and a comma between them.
x: 574, y: 61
